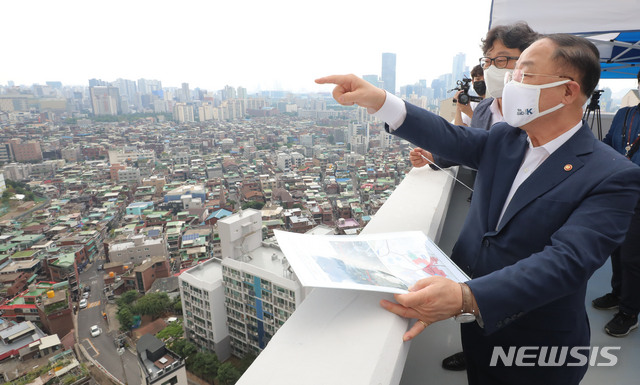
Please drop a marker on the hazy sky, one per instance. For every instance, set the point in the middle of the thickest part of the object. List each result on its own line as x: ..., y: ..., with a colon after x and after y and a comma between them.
x: 278, y: 44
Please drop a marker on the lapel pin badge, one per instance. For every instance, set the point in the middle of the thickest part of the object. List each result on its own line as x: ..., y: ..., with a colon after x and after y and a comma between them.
x: 568, y: 167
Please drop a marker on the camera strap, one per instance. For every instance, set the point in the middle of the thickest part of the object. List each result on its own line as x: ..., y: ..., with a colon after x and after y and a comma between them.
x: 636, y: 144
x: 633, y: 150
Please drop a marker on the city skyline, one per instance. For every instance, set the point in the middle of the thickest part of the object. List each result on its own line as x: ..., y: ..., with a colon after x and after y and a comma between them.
x: 255, y: 45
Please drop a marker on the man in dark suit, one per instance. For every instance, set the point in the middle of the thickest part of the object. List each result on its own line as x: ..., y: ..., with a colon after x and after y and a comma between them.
x: 550, y: 204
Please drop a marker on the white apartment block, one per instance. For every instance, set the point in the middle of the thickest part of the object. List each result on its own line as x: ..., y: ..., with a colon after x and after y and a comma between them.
x: 47, y: 167
x: 289, y: 161
x: 17, y: 171
x: 253, y: 283
x: 297, y: 159
x: 129, y: 174
x: 261, y: 293
x: 385, y: 139
x: 203, y: 301
x: 284, y: 161
x: 137, y: 249
x: 128, y: 153
x: 207, y: 112
x: 183, y: 112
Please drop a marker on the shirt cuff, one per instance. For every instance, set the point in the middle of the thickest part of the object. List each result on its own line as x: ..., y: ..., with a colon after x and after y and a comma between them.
x: 393, y: 111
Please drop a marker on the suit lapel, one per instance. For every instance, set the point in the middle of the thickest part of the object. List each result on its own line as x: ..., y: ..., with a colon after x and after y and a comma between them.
x: 507, y: 167
x: 559, y: 166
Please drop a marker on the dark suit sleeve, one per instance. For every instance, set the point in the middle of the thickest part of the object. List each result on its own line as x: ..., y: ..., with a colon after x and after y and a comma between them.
x: 457, y: 144
x: 577, y: 249
x: 442, y: 162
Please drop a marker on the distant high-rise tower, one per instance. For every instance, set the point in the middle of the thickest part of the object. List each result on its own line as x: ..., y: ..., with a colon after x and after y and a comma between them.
x: 229, y: 92
x: 146, y: 86
x: 105, y: 100
x: 242, y: 93
x: 373, y: 79
x: 457, y: 71
x: 97, y: 82
x: 183, y: 112
x: 127, y: 89
x: 186, y: 93
x: 389, y: 72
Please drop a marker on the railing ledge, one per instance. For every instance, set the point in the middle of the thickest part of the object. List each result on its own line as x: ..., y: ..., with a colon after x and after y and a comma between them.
x: 344, y: 336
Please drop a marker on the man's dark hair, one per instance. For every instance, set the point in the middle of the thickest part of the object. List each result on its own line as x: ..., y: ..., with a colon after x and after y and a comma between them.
x: 638, y: 76
x: 518, y: 35
x: 477, y: 71
x: 580, y: 55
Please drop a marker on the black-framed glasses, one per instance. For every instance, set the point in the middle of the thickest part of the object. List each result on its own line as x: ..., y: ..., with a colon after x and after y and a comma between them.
x: 519, y: 75
x: 498, y: 61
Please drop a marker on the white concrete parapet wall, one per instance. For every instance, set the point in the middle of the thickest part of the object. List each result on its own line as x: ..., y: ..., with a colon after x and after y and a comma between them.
x: 344, y: 336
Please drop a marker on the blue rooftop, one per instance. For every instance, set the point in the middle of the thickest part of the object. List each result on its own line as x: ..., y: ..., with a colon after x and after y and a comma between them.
x: 219, y: 214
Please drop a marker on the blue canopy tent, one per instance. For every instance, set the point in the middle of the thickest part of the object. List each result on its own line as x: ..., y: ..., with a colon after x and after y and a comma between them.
x: 612, y: 25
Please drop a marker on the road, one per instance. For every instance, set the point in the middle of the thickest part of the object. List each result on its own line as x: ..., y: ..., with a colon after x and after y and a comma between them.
x: 102, y: 348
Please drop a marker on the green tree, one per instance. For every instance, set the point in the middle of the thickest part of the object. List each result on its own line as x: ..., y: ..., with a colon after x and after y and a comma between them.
x: 245, y: 362
x: 173, y: 332
x: 183, y: 348
x: 252, y: 205
x: 6, y: 196
x: 153, y: 304
x: 125, y: 317
x: 177, y: 306
x: 204, y: 365
x: 228, y: 374
x: 127, y: 298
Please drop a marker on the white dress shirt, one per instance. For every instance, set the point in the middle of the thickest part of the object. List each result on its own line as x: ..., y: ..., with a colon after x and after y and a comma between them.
x: 534, y: 157
x: 496, y: 114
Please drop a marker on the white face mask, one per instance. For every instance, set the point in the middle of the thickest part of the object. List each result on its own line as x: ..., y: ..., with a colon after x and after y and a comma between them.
x: 520, y: 102
x: 494, y: 79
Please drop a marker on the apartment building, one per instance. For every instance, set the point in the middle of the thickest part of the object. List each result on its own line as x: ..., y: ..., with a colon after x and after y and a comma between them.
x: 137, y: 249
x: 203, y: 300
x: 253, y: 283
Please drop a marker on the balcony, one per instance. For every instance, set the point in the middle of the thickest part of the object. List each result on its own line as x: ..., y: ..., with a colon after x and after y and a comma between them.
x: 350, y: 333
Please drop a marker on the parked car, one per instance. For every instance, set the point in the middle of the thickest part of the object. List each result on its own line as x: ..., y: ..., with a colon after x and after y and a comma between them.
x: 95, y: 331
x: 85, y: 295
x: 100, y: 267
x: 83, y: 303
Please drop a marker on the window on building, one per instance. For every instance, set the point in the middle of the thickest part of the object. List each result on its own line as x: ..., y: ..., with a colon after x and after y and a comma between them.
x: 173, y: 380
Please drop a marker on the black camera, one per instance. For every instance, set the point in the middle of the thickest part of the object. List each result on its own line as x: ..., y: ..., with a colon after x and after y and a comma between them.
x: 464, y: 97
x: 594, y: 103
